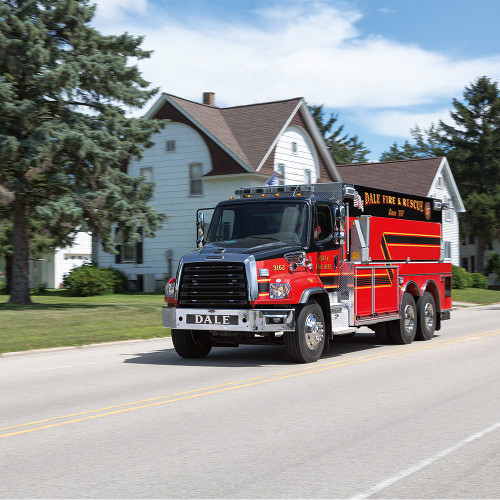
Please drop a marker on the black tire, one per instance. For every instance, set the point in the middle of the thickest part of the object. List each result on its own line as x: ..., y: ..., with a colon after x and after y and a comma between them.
x: 306, y: 343
x: 403, y: 330
x: 191, y: 343
x: 427, y: 316
x: 382, y: 333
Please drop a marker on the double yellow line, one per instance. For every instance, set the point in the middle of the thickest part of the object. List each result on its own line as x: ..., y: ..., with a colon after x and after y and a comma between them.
x: 72, y: 418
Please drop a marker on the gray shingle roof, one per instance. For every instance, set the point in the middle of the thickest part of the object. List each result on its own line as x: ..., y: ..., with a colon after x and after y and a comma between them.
x: 248, y: 131
x: 407, y: 176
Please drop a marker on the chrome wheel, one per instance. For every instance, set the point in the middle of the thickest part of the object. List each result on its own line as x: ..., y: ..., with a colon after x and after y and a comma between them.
x: 429, y: 316
x: 314, y: 332
x: 403, y: 330
x: 306, y: 343
x: 409, y: 318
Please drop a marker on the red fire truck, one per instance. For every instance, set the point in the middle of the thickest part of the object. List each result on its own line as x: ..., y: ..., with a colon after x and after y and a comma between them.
x: 298, y: 265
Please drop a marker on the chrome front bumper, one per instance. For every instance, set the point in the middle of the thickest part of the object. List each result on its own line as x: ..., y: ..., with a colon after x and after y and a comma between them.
x: 245, y: 320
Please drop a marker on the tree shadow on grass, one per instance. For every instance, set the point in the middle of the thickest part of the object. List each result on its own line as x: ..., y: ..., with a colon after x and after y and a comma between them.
x: 61, y: 305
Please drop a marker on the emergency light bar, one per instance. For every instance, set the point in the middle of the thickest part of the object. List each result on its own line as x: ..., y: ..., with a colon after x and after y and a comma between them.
x: 249, y: 192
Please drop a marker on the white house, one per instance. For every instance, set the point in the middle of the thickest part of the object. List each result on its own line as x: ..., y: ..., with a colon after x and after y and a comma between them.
x: 48, y: 271
x: 421, y: 176
x: 202, y: 155
x: 206, y: 152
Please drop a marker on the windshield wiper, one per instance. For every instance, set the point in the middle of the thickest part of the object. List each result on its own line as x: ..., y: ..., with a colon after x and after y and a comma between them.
x: 264, y: 238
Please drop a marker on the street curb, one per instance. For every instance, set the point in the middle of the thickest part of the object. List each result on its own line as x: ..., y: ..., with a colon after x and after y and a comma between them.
x: 72, y: 347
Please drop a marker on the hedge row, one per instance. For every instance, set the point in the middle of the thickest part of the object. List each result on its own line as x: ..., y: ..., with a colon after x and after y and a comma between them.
x: 463, y: 279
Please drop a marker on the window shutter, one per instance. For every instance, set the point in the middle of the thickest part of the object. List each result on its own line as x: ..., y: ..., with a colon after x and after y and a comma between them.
x: 118, y: 248
x: 139, y: 248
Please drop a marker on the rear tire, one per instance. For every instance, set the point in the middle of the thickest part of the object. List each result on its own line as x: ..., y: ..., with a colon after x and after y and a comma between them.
x: 306, y: 343
x: 191, y: 343
x: 403, y: 330
x: 426, y: 314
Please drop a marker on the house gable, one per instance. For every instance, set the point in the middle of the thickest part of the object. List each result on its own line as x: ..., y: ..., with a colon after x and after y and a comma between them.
x: 449, y: 182
x: 222, y: 162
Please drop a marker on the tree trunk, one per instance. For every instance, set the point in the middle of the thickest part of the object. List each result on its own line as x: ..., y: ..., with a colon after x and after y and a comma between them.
x: 19, y: 287
x: 8, y: 272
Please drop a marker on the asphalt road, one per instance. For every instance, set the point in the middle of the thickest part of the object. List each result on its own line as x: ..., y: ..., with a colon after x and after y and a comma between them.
x: 133, y: 420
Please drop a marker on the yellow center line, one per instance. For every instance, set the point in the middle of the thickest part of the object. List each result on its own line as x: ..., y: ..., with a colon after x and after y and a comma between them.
x: 229, y: 386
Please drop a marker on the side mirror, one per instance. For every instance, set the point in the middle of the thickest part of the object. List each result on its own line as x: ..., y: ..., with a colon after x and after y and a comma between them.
x: 342, y: 225
x: 339, y: 229
x: 200, y: 224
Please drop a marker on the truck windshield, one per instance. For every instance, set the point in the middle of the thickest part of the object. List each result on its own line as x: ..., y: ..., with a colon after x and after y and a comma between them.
x: 251, y: 224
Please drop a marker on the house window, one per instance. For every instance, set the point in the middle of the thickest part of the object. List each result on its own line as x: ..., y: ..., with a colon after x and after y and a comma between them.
x: 447, y: 250
x: 472, y: 239
x: 128, y: 254
x: 170, y: 146
x: 70, y: 256
x: 294, y: 148
x: 195, y: 179
x: 307, y: 176
x: 440, y: 182
x: 147, y: 172
x: 465, y: 263
x: 449, y: 215
x: 281, y: 171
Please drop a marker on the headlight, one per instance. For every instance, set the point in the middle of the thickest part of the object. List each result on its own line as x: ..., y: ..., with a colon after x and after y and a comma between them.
x: 170, y: 289
x: 278, y: 290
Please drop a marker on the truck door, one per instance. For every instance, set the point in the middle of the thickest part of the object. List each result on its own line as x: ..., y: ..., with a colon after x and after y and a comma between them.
x: 326, y: 255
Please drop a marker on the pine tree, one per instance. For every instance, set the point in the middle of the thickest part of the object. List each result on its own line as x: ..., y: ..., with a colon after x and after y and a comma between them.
x: 64, y: 135
x: 474, y: 139
x: 474, y: 143
x: 426, y: 144
x: 343, y: 148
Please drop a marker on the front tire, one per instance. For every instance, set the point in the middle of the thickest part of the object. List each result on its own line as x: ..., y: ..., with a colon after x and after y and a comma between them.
x: 306, y: 343
x: 191, y: 343
x: 426, y: 314
x: 403, y: 331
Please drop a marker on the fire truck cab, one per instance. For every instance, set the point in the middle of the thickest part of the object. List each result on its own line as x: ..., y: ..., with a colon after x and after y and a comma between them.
x: 297, y: 265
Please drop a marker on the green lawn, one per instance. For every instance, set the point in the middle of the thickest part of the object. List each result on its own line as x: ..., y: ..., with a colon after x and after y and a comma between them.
x: 476, y: 296
x: 57, y: 319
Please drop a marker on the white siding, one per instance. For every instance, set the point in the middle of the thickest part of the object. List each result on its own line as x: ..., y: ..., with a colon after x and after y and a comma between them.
x: 296, y: 162
x: 440, y: 190
x: 66, y: 259
x: 171, y: 197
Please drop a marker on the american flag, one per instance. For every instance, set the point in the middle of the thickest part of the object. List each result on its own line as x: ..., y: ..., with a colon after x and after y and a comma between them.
x: 273, y: 180
x: 358, y: 202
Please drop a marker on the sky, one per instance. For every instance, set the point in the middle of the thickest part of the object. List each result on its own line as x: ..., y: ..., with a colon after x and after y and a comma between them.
x: 383, y: 66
